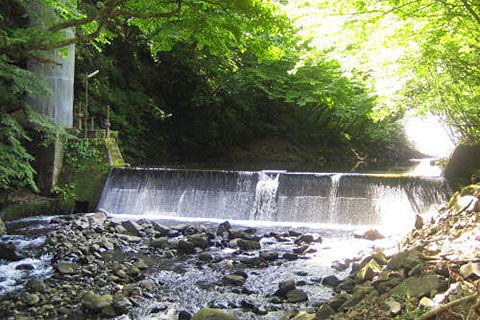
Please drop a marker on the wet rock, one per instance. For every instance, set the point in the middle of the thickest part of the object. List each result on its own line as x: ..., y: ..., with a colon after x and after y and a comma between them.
x: 223, y: 228
x: 129, y: 238
x: 418, y: 222
x: 65, y: 268
x: 269, y: 255
x: 8, y: 252
x: 260, y: 310
x: 467, y: 204
x: 284, y: 287
x: 296, y: 295
x: 347, y: 285
x: 331, y: 281
x: 185, y: 247
x: 159, y: 243
x: 132, y: 228
x: 184, y: 315
x: 248, y: 245
x: 324, y: 312
x: 290, y: 256
x: 383, y: 285
x: 254, y: 261
x: 360, y: 292
x: 293, y: 233
x: 372, y: 235
x: 212, y: 314
x: 97, y: 302
x: 380, y: 257
x: 420, y: 286
x: 235, y: 233
x: 25, y: 266
x: 200, y: 241
x: 426, y: 303
x: 205, y: 257
x: 301, y: 249
x: 232, y: 279
x: 470, y: 271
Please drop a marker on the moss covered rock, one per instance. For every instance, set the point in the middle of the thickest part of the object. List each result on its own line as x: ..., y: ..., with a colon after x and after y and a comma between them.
x: 212, y: 314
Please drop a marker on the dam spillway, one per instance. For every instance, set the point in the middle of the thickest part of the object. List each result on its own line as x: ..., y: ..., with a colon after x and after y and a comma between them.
x: 277, y: 196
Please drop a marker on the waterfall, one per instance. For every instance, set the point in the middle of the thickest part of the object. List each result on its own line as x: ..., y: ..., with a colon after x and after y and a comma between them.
x: 265, y: 205
x: 351, y: 199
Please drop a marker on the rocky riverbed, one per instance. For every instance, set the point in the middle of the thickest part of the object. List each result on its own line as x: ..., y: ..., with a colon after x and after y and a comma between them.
x: 96, y: 267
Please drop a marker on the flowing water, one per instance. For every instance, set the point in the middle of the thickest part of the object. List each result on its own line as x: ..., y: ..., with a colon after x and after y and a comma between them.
x: 389, y: 202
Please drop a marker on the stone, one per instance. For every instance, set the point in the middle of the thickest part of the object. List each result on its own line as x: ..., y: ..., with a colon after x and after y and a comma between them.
x: 368, y: 271
x: 185, y: 247
x: 129, y: 238
x: 159, y: 243
x: 324, y: 312
x: 248, y: 245
x: 254, y: 261
x: 426, y: 303
x: 25, y: 266
x: 132, y: 227
x: 467, y: 204
x: 380, y: 257
x: 330, y: 281
x: 8, y: 251
x: 420, y: 286
x: 284, y: 287
x: 347, y: 285
x: 290, y: 256
x: 372, y: 235
x: 296, y: 295
x: 212, y: 314
x: 470, y: 271
x: 418, y: 222
x: 96, y: 302
x: 31, y: 299
x: 223, y: 228
x: 393, y: 307
x: 269, y: 255
x: 336, y: 301
x: 200, y: 241
x: 160, y: 228
x: 65, y: 268
x: 3, y: 228
x: 184, y: 315
x: 204, y: 256
x: 301, y: 249
x: 121, y: 304
x: 404, y: 260
x: 302, y: 315
x: 233, y: 280
x: 36, y: 285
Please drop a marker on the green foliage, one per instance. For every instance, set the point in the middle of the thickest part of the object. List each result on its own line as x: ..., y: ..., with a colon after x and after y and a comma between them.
x: 15, y: 162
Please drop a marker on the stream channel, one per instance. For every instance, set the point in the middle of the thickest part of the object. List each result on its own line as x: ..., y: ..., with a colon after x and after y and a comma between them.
x: 275, y: 207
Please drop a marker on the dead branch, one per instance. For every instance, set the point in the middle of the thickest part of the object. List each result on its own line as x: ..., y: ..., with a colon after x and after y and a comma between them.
x: 433, y: 312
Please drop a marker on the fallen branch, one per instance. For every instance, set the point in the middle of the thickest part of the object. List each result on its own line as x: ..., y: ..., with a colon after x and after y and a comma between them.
x: 433, y: 312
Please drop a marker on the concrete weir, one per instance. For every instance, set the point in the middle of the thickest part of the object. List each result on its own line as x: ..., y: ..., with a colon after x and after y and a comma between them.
x: 335, y: 198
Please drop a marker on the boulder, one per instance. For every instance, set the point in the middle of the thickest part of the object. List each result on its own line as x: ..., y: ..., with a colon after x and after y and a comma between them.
x: 248, y: 245
x: 199, y: 240
x: 405, y: 260
x: 133, y: 228
x: 212, y: 314
x: 296, y: 295
x: 324, y: 312
x: 8, y: 251
x: 96, y: 302
x: 336, y: 301
x: 234, y: 280
x: 65, y: 268
x: 269, y: 255
x: 470, y: 271
x: 284, y: 287
x: 223, y: 228
x: 372, y: 235
x: 159, y: 243
x: 393, y: 307
x: 160, y: 228
x: 331, y: 281
x: 464, y: 161
x: 420, y: 286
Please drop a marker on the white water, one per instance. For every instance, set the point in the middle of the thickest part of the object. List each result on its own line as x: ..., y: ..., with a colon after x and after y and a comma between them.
x: 265, y: 204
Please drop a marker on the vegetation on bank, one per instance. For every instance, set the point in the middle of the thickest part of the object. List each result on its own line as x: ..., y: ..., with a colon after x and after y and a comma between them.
x: 201, y: 80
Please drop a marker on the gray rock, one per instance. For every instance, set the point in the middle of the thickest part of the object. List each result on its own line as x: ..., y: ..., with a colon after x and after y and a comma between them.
x: 393, y: 307
x: 65, y: 268
x: 330, y: 281
x: 420, y: 286
x: 200, y: 241
x: 35, y: 285
x: 97, y: 302
x: 234, y: 280
x: 368, y: 271
x: 470, y: 271
x: 269, y: 255
x: 372, y: 235
x: 160, y: 228
x: 212, y: 314
x: 121, y: 304
x: 254, y: 261
x: 8, y: 252
x: 405, y: 260
x: 296, y: 295
x: 132, y: 227
x: 248, y: 245
x: 290, y: 256
x: 324, y: 312
x: 223, y: 228
x: 31, y: 299
x: 301, y: 249
x: 284, y: 287
x: 129, y: 238
x: 336, y: 301
x: 159, y: 243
